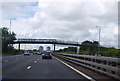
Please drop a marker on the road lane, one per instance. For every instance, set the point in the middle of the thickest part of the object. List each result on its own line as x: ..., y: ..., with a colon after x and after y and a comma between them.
x: 13, y: 61
x: 34, y: 67
x: 17, y: 65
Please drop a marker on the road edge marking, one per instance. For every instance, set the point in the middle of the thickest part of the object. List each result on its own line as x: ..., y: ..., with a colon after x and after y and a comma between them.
x: 84, y: 75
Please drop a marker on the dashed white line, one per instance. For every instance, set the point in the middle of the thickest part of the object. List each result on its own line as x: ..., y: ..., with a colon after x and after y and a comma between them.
x: 6, y: 61
x: 35, y: 61
x: 86, y: 76
x: 28, y: 67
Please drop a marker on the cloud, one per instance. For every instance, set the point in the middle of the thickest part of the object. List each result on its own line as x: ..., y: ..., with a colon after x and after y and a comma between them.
x: 66, y: 20
x: 18, y: 9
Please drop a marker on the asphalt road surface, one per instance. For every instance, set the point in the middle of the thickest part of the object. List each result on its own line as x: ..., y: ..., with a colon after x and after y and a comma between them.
x: 34, y: 67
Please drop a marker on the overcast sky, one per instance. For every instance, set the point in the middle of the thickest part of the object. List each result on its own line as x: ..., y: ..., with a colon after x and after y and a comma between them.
x: 63, y: 20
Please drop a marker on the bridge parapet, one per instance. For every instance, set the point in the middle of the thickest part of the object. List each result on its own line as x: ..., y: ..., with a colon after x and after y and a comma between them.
x: 51, y: 41
x: 35, y: 40
x: 70, y: 42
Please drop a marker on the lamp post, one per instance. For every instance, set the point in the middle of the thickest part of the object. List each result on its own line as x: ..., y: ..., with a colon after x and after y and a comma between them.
x: 99, y: 38
x: 10, y: 29
x: 78, y: 48
x: 11, y: 23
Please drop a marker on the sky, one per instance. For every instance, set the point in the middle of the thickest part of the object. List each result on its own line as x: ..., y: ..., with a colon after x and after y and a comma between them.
x: 63, y: 20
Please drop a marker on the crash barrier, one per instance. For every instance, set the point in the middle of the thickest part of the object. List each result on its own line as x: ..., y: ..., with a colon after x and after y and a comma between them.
x: 105, y: 65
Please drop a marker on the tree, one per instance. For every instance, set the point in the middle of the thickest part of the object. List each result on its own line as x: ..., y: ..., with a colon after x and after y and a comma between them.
x: 89, y: 46
x: 7, y: 38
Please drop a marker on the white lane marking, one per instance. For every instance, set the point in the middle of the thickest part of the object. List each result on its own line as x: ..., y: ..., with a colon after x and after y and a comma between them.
x: 35, y: 61
x: 28, y: 67
x: 86, y: 76
x: 6, y: 61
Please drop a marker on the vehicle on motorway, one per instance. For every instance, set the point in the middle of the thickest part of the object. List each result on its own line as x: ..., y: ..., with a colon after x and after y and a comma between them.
x: 39, y: 53
x: 26, y: 53
x: 97, y: 54
x: 34, y: 51
x: 47, y: 55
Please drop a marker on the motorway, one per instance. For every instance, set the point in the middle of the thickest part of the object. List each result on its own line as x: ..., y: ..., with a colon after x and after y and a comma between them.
x: 34, y: 67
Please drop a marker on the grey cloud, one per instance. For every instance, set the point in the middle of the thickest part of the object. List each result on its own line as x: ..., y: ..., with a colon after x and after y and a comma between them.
x: 69, y: 21
x: 72, y: 20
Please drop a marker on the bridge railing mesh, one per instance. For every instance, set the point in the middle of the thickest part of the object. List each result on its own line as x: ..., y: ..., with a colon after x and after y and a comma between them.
x: 45, y: 40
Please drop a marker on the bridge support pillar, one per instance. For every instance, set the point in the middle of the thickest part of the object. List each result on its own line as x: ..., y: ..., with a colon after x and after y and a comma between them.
x: 54, y: 48
x: 19, y: 46
x: 78, y: 50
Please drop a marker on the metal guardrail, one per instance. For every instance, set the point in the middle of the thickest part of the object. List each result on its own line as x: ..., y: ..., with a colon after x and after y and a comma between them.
x: 105, y: 65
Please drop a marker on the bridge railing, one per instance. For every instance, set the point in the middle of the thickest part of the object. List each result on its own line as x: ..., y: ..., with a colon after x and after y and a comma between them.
x: 105, y: 65
x: 68, y: 42
x: 35, y: 40
x: 46, y: 40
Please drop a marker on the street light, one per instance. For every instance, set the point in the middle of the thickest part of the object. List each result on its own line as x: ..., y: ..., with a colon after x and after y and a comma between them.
x: 10, y: 29
x: 78, y: 48
x: 99, y: 39
x: 11, y: 23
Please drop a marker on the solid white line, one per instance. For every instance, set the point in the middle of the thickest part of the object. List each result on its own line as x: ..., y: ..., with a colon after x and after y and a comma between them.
x: 86, y: 76
x: 28, y: 67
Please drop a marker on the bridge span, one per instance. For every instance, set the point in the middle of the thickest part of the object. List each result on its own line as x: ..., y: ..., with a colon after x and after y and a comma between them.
x: 44, y: 41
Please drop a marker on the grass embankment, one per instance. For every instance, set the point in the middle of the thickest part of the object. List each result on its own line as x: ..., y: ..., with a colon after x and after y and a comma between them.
x: 104, y: 53
x: 67, y: 52
x: 82, y: 53
x: 10, y: 54
x: 7, y: 54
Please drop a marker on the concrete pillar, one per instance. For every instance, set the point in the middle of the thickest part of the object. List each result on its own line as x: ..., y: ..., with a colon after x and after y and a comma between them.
x: 54, y: 48
x: 19, y: 46
x: 78, y: 49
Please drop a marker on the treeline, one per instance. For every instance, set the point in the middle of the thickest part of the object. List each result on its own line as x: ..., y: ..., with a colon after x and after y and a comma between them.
x: 91, y: 48
x: 68, y: 50
x: 7, y: 38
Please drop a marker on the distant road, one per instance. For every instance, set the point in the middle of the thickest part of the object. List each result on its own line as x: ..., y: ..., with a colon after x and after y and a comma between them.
x: 34, y: 67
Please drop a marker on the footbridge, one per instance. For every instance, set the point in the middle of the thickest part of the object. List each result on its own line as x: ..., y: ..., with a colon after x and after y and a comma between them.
x: 44, y: 41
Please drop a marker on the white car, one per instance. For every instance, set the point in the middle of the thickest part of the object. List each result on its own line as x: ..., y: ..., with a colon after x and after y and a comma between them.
x: 26, y: 53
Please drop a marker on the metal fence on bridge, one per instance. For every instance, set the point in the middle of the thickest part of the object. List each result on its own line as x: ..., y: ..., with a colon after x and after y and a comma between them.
x: 45, y: 40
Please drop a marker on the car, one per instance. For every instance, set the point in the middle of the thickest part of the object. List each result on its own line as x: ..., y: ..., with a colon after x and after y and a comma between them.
x: 39, y: 53
x: 97, y: 54
x: 26, y: 53
x: 47, y: 55
x: 34, y: 51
